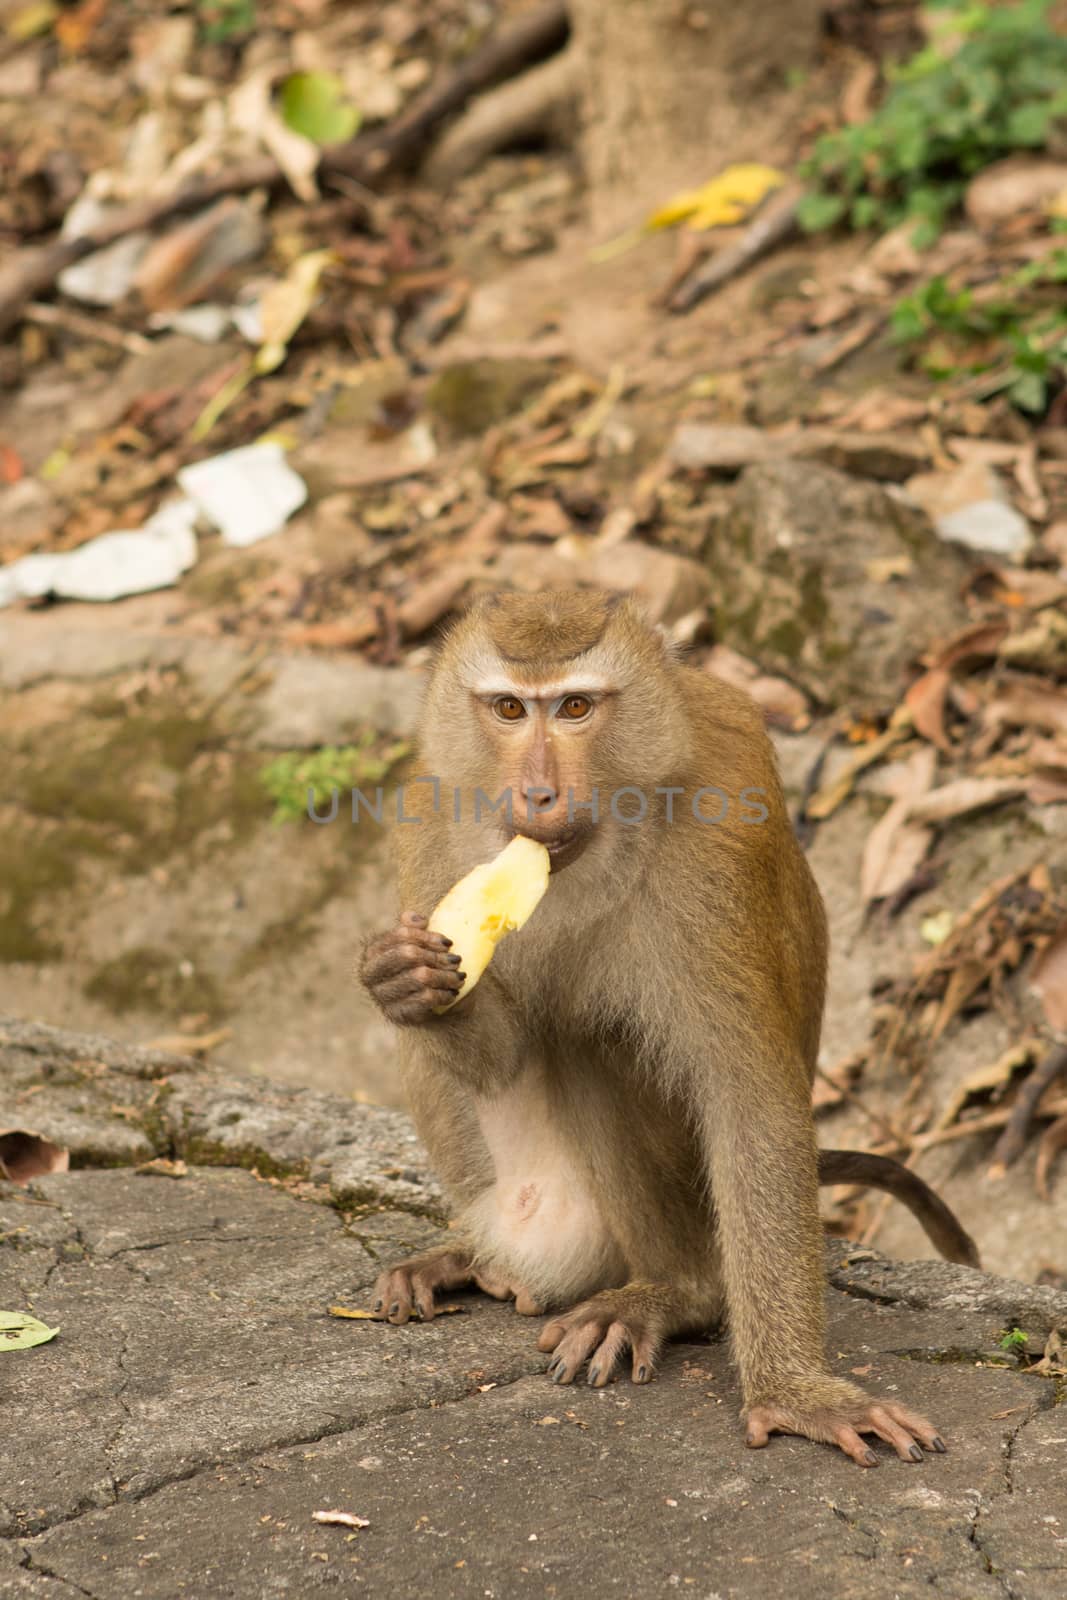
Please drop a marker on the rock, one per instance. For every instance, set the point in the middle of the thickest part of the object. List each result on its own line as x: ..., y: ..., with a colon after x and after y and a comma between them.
x: 471, y: 396
x: 702, y: 446
x: 1017, y: 184
x: 200, y: 1404
x: 669, y: 586
x: 989, y: 526
x: 313, y: 700
x: 970, y: 506
x: 792, y: 573
x: 706, y: 446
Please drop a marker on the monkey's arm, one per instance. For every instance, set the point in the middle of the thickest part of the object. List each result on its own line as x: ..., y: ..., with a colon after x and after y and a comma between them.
x: 941, y: 1226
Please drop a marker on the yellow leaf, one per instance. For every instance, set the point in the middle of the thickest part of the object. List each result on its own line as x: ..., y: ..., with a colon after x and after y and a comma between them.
x: 724, y: 199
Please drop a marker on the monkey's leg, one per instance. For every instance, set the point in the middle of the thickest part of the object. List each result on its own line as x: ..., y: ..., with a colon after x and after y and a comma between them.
x: 639, y: 1317
x: 761, y: 1141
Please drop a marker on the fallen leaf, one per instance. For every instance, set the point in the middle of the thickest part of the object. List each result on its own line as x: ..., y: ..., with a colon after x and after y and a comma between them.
x: 896, y: 847
x: 25, y: 1156
x: 723, y: 200
x: 162, y: 1167
x: 315, y: 105
x: 1049, y: 980
x: 340, y: 1519
x: 992, y: 1079
x: 18, y: 1331
x: 926, y: 702
x: 966, y: 794
x: 1053, y: 1140
x: 1029, y: 705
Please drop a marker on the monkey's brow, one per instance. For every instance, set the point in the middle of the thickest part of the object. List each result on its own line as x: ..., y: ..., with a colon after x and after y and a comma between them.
x: 590, y: 683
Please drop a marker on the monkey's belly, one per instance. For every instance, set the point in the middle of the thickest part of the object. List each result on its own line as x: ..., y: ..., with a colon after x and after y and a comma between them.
x: 538, y: 1225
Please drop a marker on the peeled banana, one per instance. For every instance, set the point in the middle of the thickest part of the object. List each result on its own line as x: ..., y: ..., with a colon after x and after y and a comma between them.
x: 493, y: 900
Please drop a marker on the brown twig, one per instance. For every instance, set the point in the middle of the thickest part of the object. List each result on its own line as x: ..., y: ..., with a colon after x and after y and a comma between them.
x: 1012, y: 1141
x: 368, y: 158
x: 773, y: 225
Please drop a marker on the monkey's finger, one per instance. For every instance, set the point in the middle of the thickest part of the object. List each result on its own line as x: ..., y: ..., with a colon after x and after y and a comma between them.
x: 901, y: 1440
x: 444, y: 981
x: 927, y: 1435
x: 404, y: 956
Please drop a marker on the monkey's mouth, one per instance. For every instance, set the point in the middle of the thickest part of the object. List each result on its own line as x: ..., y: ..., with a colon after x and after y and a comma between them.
x: 563, y: 848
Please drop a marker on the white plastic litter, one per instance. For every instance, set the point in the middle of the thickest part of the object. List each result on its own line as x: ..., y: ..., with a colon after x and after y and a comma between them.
x: 116, y: 564
x: 103, y: 278
x: 248, y: 493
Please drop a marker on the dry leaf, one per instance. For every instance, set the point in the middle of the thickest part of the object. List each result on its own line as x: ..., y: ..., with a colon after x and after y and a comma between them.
x: 1029, y: 705
x: 25, y: 1156
x: 723, y: 200
x: 340, y: 1519
x: 987, y: 1080
x: 1053, y: 1140
x: 896, y: 847
x: 966, y: 794
x: 1049, y: 980
x: 926, y: 702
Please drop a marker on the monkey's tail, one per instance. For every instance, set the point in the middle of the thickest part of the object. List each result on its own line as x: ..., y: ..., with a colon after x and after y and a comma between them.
x: 939, y: 1224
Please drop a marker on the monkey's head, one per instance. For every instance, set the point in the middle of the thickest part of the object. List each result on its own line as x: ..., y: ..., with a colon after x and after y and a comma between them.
x: 553, y: 699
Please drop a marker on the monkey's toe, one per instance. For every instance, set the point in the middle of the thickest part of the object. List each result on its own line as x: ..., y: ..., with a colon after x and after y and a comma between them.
x: 600, y: 1332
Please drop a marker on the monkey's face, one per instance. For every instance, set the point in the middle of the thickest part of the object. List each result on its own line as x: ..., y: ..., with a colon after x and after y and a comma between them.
x: 542, y: 708
x: 544, y: 737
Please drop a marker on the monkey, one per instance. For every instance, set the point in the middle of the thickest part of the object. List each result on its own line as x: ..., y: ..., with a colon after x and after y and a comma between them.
x: 620, y: 1111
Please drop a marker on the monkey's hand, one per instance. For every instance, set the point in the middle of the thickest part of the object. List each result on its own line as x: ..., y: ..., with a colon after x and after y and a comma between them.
x: 408, y: 1286
x: 410, y: 972
x: 832, y: 1412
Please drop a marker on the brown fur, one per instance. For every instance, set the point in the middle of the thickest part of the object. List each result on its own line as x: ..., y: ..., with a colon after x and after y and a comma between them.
x: 642, y: 1053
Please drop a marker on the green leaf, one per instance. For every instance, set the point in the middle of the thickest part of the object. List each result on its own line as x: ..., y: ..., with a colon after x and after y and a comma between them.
x: 19, y: 1331
x: 314, y: 104
x: 818, y: 211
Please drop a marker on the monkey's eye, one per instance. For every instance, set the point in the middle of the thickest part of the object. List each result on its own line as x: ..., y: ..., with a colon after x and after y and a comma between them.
x: 508, y: 709
x: 575, y: 707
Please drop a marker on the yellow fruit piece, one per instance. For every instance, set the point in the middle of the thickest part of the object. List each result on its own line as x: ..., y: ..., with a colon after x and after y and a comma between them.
x: 725, y: 199
x: 490, y: 902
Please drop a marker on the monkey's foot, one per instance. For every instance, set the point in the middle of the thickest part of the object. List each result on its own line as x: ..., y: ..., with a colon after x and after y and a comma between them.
x: 409, y: 1286
x: 637, y: 1318
x: 842, y: 1424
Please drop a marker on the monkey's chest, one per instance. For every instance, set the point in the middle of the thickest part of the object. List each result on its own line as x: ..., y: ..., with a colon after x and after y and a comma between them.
x: 540, y: 1224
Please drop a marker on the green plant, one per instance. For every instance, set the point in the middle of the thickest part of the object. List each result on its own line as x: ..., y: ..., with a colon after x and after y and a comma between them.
x: 945, y: 116
x: 1014, y: 1341
x: 1011, y: 337
x: 224, y: 20
x: 292, y: 778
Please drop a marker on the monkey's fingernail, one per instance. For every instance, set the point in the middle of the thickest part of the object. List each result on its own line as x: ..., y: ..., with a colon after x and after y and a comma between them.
x: 462, y: 976
x: 642, y: 1374
x: 594, y: 1374
x: 939, y: 1444
x: 377, y: 1306
x: 453, y: 958
x: 394, y: 1308
x: 421, y: 1309
x: 915, y: 1453
x: 870, y: 1459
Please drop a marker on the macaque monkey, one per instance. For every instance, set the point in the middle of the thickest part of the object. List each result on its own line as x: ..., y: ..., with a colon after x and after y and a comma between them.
x: 620, y: 1111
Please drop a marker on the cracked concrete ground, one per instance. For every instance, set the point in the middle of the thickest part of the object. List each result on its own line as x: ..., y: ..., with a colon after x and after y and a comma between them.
x: 200, y: 1404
